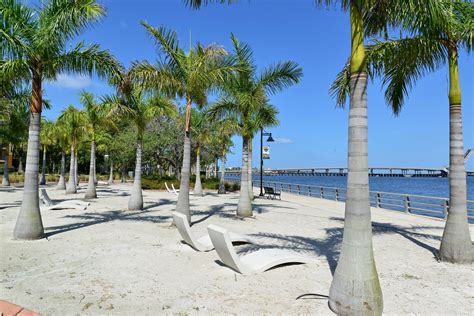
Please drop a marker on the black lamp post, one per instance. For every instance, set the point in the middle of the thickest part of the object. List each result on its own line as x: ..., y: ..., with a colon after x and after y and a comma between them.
x: 269, y: 139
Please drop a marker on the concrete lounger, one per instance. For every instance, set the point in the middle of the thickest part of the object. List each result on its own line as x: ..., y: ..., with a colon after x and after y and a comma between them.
x: 175, y: 191
x: 170, y: 191
x: 203, y: 243
x: 254, y: 262
x: 50, y: 204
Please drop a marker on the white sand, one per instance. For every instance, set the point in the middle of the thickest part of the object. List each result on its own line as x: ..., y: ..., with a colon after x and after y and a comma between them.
x: 108, y: 261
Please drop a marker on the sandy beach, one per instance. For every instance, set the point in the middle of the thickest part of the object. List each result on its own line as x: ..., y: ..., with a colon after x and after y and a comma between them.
x: 106, y: 260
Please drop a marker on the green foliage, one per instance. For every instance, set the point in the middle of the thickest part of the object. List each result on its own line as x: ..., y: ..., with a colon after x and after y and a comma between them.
x: 156, y: 182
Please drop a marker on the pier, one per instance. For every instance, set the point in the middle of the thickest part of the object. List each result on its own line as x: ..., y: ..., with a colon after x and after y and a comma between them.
x: 373, y: 172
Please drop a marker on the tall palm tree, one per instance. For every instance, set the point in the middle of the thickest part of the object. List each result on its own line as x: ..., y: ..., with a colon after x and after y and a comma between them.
x: 222, y: 138
x: 201, y: 130
x: 245, y: 98
x: 355, y: 288
x: 95, y: 118
x: 73, y: 120
x: 188, y: 75
x: 35, y: 46
x: 46, y: 139
x: 60, y: 134
x: 134, y: 104
x: 431, y: 46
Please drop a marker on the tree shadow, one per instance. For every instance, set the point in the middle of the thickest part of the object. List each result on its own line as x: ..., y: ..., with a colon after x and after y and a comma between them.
x: 156, y: 204
x: 90, y: 219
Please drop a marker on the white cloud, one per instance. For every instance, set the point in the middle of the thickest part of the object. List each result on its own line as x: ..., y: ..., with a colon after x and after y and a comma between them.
x: 72, y: 81
x: 283, y: 140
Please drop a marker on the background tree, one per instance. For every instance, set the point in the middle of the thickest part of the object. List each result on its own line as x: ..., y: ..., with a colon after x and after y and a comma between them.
x: 60, y: 132
x: 201, y: 130
x: 46, y: 139
x: 34, y: 46
x: 187, y: 75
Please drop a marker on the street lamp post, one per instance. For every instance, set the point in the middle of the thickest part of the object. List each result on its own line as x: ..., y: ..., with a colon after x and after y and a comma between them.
x: 269, y: 139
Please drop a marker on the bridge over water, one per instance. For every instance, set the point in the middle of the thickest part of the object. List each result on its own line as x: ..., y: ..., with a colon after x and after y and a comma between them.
x: 373, y: 171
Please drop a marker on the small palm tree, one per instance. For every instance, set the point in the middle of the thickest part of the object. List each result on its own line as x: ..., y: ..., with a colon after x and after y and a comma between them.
x: 96, y: 118
x: 222, y: 138
x: 73, y: 120
x: 46, y: 139
x: 245, y: 99
x: 133, y: 104
x: 188, y: 75
x: 201, y: 130
x: 60, y: 134
x: 34, y: 47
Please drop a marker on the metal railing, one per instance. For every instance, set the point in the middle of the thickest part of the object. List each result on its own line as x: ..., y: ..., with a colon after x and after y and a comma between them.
x: 408, y: 203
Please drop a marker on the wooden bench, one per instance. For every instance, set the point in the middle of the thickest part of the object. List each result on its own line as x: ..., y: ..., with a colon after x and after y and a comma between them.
x: 271, y: 193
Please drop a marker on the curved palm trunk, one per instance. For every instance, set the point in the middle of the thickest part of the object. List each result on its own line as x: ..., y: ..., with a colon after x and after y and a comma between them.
x: 71, y: 184
x: 29, y: 224
x: 182, y: 206
x: 136, y: 199
x: 6, y: 177
x: 244, y: 207
x: 222, y: 179
x: 62, y: 182
x: 91, y: 192
x: 43, y: 167
x: 198, y: 185
x: 456, y: 245
x: 355, y: 289
x: 249, y: 170
x: 111, y: 176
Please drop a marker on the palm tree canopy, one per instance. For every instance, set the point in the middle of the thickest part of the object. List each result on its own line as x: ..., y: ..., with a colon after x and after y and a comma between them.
x: 34, y: 42
x: 73, y: 120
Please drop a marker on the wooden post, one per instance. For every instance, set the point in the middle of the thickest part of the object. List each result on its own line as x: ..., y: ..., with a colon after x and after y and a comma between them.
x: 337, y: 194
x: 377, y: 201
x: 298, y: 188
x: 407, y: 204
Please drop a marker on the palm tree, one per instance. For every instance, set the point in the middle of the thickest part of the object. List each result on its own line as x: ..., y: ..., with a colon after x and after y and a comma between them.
x: 201, y: 130
x: 187, y: 75
x: 60, y: 134
x: 34, y: 46
x: 245, y: 99
x: 133, y: 104
x: 73, y: 120
x: 355, y: 288
x: 430, y: 47
x: 46, y: 139
x: 222, y: 138
x: 95, y: 118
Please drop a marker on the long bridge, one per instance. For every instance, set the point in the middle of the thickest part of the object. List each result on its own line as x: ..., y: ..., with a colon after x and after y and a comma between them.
x: 373, y: 171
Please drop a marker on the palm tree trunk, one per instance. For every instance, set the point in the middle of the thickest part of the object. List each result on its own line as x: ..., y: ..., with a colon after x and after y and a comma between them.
x: 62, y: 182
x: 198, y: 185
x: 76, y: 168
x: 244, y: 207
x: 29, y: 224
x: 95, y: 170
x: 111, y: 176
x: 6, y: 177
x: 222, y: 179
x: 20, y: 166
x: 71, y: 184
x: 182, y: 206
x: 43, y: 167
x: 136, y: 199
x: 355, y: 289
x: 91, y: 192
x: 124, y: 176
x: 456, y: 245
x: 250, y: 171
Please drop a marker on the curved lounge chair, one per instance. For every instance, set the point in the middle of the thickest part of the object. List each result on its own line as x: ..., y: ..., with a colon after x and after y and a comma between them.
x: 203, y: 243
x: 50, y: 204
x: 175, y: 191
x: 254, y: 262
x: 169, y: 191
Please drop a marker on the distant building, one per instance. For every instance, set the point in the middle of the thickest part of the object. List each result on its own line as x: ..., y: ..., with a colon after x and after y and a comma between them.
x: 6, y: 148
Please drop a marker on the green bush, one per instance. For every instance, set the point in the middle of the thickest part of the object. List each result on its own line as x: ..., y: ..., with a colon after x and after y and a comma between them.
x: 155, y: 182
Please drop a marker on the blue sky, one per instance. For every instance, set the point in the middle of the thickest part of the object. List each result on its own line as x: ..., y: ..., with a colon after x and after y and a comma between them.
x: 312, y: 132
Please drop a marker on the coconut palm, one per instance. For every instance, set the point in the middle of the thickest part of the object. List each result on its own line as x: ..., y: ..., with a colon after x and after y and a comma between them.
x: 73, y: 120
x: 245, y: 98
x: 95, y: 117
x: 46, y: 139
x: 134, y: 104
x: 34, y: 46
x: 401, y: 63
x: 188, y: 75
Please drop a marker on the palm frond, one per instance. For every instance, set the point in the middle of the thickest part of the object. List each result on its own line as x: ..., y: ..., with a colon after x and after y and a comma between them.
x: 280, y: 76
x: 340, y: 88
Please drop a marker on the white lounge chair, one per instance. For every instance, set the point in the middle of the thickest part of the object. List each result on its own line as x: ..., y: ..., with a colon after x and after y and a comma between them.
x: 169, y: 191
x: 49, y: 204
x: 254, y: 262
x: 175, y: 191
x: 203, y: 243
